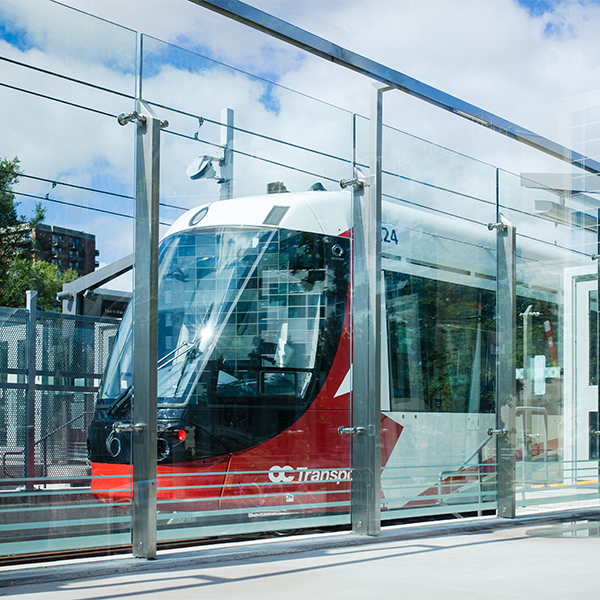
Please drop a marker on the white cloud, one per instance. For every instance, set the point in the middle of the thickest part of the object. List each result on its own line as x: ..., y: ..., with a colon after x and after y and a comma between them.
x: 492, y: 54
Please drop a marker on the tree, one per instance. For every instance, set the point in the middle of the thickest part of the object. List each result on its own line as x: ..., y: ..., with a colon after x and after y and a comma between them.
x: 14, y: 237
x: 19, y: 269
x: 38, y: 275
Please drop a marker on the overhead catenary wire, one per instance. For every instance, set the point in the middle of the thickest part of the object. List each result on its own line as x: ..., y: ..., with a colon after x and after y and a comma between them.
x: 66, y: 77
x: 249, y: 132
x: 439, y: 188
x: 83, y: 207
x: 70, y: 185
x: 131, y: 97
x: 178, y: 134
x: 55, y: 182
x: 59, y: 100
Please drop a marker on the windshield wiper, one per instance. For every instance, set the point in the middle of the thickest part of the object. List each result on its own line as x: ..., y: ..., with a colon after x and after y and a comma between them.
x: 192, y: 354
x: 172, y: 356
x: 121, y: 400
x: 175, y: 354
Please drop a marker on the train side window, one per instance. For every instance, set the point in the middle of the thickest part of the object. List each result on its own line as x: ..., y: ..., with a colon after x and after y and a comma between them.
x: 244, y: 385
x: 405, y: 354
x: 439, y: 345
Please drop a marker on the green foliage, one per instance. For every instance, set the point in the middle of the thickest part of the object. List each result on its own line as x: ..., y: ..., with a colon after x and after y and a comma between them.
x: 41, y: 276
x: 19, y: 271
x: 13, y: 236
x: 45, y: 278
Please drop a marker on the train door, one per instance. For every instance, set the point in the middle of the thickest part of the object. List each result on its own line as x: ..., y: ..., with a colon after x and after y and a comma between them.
x: 581, y: 377
x: 539, y: 408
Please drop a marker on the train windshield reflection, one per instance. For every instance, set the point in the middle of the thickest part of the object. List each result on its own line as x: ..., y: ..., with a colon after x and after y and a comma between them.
x: 202, y: 276
x: 241, y: 313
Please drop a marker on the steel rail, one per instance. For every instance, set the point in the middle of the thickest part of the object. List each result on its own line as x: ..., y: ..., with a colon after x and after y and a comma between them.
x: 280, y: 29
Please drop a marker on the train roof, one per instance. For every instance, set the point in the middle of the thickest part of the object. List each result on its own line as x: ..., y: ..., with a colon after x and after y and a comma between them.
x: 317, y: 212
x: 423, y: 235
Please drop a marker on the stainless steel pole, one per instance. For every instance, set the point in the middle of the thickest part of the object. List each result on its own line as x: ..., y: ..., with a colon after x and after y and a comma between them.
x: 506, y: 392
x: 367, y: 327
x: 145, y: 336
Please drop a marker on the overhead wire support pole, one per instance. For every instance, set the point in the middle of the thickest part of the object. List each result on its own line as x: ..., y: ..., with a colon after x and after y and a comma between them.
x: 280, y: 29
x: 226, y: 170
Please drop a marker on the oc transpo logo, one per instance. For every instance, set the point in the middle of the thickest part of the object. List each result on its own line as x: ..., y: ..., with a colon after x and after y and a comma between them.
x: 287, y: 474
x: 277, y: 474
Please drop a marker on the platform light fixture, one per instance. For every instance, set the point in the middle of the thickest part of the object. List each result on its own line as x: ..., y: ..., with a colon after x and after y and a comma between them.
x: 203, y: 168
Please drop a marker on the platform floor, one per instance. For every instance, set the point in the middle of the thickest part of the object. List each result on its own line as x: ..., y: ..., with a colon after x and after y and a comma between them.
x: 556, y: 557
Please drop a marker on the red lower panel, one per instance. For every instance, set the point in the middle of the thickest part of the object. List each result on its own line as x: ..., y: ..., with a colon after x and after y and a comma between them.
x: 306, y: 467
x: 199, y: 480
x: 111, y: 483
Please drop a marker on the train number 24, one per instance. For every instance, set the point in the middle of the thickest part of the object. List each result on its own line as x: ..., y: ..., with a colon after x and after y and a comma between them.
x: 389, y: 235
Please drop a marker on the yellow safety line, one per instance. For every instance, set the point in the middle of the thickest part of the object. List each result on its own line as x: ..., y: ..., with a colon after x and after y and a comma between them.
x: 590, y: 482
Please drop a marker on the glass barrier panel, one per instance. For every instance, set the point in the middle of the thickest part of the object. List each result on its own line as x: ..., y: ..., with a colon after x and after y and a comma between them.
x: 556, y: 343
x: 362, y: 136
x: 439, y: 263
x: 427, y: 175
x: 276, y: 136
x: 254, y: 315
x: 67, y: 75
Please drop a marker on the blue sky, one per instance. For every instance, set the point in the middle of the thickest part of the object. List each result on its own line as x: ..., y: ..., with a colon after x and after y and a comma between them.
x: 519, y: 64
x: 538, y: 7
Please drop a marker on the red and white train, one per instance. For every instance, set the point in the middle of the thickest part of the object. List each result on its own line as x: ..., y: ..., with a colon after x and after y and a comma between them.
x: 255, y: 365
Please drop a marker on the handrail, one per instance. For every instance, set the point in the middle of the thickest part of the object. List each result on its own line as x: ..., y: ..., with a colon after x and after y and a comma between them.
x: 465, y: 464
x: 43, y: 440
x: 87, y: 412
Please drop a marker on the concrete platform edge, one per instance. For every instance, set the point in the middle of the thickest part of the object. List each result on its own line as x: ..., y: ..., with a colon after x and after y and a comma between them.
x: 227, y: 552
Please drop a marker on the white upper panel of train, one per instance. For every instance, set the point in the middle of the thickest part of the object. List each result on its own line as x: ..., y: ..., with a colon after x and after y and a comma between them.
x: 415, y: 240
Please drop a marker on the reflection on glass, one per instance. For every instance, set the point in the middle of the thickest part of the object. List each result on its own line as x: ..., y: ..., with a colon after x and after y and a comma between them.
x: 249, y: 324
x: 440, y: 345
x: 594, y: 322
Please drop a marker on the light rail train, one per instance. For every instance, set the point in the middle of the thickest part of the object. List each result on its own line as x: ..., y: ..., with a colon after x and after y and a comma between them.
x: 254, y: 370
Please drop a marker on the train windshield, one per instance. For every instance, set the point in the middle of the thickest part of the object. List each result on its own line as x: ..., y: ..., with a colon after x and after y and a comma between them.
x: 243, y: 313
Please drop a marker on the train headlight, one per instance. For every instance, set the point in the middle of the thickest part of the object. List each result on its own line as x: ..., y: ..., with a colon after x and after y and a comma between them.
x: 198, y: 216
x: 163, y: 448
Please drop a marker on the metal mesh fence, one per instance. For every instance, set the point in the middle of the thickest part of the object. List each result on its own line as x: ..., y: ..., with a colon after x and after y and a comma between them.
x: 70, y: 355
x: 13, y: 389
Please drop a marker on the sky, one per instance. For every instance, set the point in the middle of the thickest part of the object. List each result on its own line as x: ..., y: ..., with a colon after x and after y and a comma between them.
x: 499, y: 54
x: 531, y: 62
